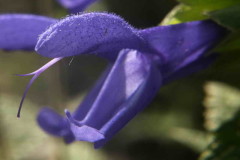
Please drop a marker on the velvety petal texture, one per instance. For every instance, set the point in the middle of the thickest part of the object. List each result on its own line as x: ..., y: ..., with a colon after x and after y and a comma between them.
x: 92, y: 33
x: 75, y: 6
x: 106, y: 34
x: 21, y: 31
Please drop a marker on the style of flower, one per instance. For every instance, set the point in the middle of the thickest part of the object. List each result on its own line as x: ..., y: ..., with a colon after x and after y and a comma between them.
x: 140, y: 62
x: 75, y: 6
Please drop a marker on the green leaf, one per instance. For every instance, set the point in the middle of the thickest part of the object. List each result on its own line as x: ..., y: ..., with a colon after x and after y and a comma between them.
x: 210, y: 4
x: 183, y: 13
x: 223, y: 119
x: 194, y: 139
x: 226, y: 144
x: 190, y: 10
x: 232, y: 44
x: 229, y: 17
x: 222, y: 103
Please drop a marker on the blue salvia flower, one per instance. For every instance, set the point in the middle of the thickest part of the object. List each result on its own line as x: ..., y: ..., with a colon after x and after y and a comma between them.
x: 140, y: 62
x: 75, y: 6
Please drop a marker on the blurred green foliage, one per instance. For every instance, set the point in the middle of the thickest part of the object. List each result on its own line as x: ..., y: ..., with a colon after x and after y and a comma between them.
x: 223, y: 121
x: 22, y: 139
x: 228, y: 17
x: 192, y: 10
x: 220, y: 100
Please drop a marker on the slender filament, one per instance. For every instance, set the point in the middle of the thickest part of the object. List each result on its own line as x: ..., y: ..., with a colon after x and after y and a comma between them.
x: 35, y: 75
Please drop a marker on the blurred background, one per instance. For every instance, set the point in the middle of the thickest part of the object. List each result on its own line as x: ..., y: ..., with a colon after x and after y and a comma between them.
x: 173, y: 127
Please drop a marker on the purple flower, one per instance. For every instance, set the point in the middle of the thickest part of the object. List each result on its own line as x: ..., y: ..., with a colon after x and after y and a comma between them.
x: 20, y: 31
x: 75, y: 6
x: 140, y: 62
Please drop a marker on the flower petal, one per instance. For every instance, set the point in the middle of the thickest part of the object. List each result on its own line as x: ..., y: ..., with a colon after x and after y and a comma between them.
x: 20, y: 31
x: 86, y: 133
x: 47, y: 118
x: 88, y: 101
x: 193, y: 67
x: 54, y: 124
x: 183, y: 43
x: 132, y: 106
x: 97, y: 33
x: 127, y: 74
x: 76, y: 6
x: 82, y: 132
x: 120, y: 97
x: 54, y: 120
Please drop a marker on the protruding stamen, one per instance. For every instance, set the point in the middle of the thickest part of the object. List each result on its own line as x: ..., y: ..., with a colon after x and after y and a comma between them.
x: 36, y: 74
x: 43, y: 68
